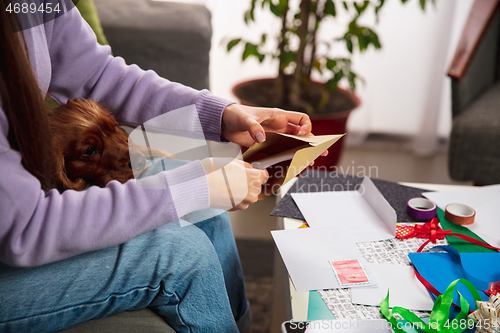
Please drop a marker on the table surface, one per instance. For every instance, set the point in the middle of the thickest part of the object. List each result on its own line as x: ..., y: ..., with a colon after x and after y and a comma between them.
x: 299, y: 301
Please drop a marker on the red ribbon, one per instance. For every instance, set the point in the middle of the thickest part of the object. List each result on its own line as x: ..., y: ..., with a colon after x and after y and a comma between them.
x: 431, y: 230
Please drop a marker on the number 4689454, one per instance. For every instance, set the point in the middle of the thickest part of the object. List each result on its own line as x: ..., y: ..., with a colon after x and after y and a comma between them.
x: 32, y: 8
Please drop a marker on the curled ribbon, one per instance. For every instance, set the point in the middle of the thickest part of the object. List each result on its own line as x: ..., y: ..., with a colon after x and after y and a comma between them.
x: 493, y: 289
x: 439, y: 321
x: 487, y: 315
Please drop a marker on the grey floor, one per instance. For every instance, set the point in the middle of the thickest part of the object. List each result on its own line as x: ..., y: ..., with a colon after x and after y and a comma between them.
x: 384, y: 157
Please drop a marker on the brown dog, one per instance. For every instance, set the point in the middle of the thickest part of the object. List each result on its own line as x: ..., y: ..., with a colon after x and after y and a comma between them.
x: 91, y: 148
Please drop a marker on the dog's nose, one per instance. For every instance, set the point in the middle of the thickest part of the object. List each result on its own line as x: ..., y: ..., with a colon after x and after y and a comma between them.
x: 138, y: 162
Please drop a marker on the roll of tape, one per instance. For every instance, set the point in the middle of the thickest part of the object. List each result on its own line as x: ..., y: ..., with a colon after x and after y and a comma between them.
x: 421, y: 209
x: 459, y: 214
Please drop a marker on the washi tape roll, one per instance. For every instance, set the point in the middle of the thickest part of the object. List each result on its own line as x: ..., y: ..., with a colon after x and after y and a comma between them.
x: 421, y: 209
x: 459, y: 214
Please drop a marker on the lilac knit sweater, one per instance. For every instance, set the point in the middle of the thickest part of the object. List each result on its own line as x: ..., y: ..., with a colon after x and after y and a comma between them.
x: 36, y: 228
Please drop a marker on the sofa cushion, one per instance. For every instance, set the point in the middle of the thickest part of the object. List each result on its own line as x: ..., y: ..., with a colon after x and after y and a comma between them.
x: 89, y: 13
x: 474, y: 152
x: 126, y: 322
x: 170, y: 38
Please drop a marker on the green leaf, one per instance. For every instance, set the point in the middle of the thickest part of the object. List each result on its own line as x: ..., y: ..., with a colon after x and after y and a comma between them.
x: 333, y: 83
x: 283, y: 4
x: 361, y: 8
x: 275, y: 9
x: 249, y: 14
x: 279, y: 9
x: 252, y: 50
x: 317, y: 66
x: 338, y: 76
x: 232, y: 44
x: 330, y: 8
x: 352, y: 80
x: 331, y: 63
x: 348, y: 42
x: 378, y: 7
x: 247, y: 17
x: 422, y: 4
x: 374, y: 38
x: 287, y: 57
x: 345, y: 5
x: 263, y: 39
x: 362, y: 42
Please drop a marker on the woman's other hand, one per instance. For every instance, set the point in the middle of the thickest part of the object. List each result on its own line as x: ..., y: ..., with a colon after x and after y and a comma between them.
x: 233, y: 184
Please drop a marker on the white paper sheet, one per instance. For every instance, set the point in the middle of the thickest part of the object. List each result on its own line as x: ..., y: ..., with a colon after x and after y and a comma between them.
x: 346, y: 326
x: 363, y: 214
x: 307, y: 253
x: 404, y: 288
x: 484, y: 200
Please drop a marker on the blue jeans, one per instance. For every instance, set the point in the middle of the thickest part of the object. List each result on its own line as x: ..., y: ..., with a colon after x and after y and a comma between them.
x: 191, y: 276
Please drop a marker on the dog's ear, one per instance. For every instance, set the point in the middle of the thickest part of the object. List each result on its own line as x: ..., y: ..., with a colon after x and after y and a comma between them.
x: 63, y: 182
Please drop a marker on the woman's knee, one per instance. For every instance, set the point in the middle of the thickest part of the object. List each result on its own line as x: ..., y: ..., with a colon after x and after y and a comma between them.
x: 184, y: 247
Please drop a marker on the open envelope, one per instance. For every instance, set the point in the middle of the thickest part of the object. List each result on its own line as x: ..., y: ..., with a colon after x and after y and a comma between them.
x: 285, y: 156
x: 361, y: 215
x: 337, y: 220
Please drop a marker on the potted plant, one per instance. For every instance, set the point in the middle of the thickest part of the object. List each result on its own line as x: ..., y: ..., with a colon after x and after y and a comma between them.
x: 300, y: 52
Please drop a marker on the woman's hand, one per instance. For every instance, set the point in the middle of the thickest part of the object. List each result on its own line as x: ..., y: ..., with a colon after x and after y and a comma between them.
x: 233, y: 184
x: 245, y: 125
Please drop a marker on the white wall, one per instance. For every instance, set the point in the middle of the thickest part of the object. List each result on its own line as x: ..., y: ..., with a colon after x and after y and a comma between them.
x: 406, y: 91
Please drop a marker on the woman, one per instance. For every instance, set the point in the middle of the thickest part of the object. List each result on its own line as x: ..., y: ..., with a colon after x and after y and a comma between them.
x: 74, y: 256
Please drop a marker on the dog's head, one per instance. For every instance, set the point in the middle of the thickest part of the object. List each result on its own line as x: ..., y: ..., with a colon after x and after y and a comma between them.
x: 90, y: 147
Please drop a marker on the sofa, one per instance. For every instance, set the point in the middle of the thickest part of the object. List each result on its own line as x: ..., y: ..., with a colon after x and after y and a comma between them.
x: 174, y: 40
x: 474, y: 145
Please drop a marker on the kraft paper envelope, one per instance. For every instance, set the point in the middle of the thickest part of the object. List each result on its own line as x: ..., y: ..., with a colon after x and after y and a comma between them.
x: 285, y: 156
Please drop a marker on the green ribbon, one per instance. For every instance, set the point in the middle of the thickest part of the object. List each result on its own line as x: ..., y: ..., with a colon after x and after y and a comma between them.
x: 439, y: 321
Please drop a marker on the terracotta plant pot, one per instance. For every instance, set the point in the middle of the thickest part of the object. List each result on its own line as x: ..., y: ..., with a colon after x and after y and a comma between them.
x: 324, y: 123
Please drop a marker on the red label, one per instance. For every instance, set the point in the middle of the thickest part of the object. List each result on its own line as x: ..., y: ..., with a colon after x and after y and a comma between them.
x: 349, y: 272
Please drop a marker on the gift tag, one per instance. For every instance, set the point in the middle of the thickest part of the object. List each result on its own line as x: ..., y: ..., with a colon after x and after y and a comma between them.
x: 349, y: 272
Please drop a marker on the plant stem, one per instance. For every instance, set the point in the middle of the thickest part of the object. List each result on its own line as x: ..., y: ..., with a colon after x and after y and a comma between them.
x: 295, y: 92
x: 282, y: 84
x: 318, y: 17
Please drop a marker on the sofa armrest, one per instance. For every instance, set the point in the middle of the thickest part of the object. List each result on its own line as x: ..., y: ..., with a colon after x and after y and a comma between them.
x: 474, y: 67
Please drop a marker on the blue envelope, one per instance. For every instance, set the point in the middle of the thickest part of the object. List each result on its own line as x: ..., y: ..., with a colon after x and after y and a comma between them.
x: 442, y: 268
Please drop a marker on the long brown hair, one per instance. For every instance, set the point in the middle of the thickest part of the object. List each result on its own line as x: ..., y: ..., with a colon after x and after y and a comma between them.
x: 23, y: 103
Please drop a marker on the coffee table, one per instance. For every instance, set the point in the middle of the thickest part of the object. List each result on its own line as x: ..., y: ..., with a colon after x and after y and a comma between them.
x: 287, y: 302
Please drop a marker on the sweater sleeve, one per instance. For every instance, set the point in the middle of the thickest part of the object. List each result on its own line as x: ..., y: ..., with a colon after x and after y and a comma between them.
x: 38, y: 228
x: 83, y: 68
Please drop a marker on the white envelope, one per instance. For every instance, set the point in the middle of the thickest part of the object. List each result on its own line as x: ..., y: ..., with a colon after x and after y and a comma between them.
x: 404, y: 288
x: 307, y: 253
x: 362, y: 215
